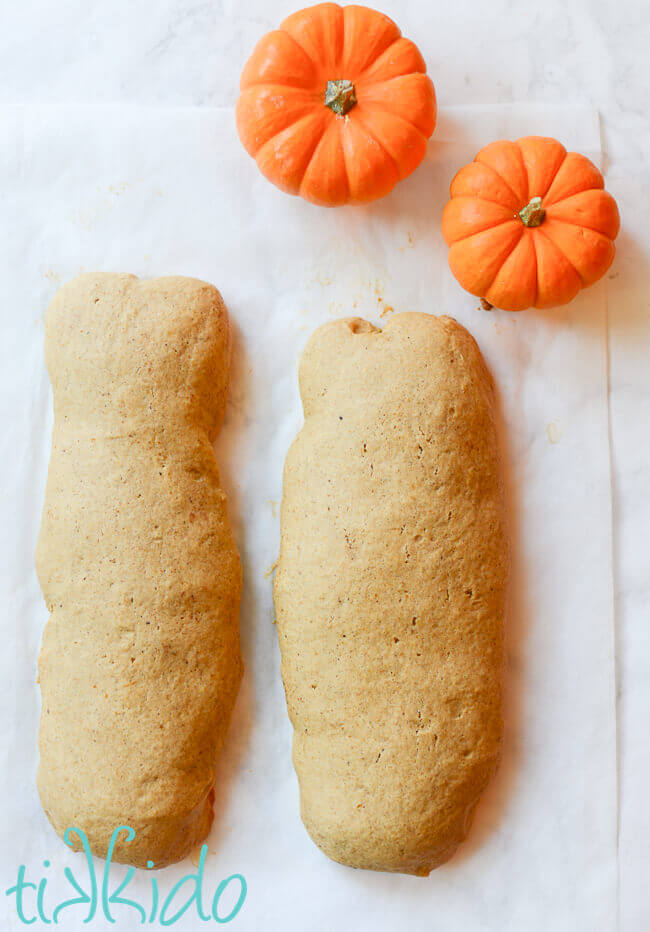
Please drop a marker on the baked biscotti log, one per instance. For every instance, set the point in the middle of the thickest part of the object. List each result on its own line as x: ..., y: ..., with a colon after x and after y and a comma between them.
x: 389, y: 591
x: 140, y: 662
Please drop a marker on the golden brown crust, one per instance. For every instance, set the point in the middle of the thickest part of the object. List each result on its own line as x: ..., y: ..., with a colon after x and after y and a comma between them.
x: 390, y: 590
x: 140, y: 662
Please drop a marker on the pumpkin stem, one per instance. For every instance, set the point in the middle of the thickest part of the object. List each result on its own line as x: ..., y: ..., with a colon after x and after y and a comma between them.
x: 533, y: 213
x: 340, y: 96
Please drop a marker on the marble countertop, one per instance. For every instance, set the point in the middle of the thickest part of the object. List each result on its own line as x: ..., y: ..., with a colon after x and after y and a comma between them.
x: 177, y: 52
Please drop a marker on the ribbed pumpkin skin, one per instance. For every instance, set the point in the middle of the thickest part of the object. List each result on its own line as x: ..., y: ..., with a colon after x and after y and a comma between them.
x: 495, y: 256
x: 298, y: 142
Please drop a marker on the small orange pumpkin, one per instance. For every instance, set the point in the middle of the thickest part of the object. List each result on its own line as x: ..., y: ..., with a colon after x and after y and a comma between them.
x: 529, y: 224
x: 335, y: 105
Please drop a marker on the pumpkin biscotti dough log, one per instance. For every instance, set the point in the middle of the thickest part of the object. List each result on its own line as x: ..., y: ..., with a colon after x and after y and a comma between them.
x: 140, y: 662
x: 389, y: 592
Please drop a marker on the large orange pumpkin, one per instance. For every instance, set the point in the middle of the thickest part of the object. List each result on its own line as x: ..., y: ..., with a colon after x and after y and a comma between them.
x: 529, y: 224
x: 335, y: 105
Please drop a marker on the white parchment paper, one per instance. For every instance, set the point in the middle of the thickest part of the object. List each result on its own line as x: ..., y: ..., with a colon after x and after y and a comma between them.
x: 171, y: 192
